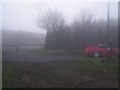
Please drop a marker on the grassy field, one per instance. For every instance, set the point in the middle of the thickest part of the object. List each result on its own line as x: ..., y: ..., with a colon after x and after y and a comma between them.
x: 42, y: 52
x: 85, y: 73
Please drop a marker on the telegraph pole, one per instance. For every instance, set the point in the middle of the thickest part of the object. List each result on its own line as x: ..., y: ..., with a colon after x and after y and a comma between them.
x: 109, y: 40
x: 108, y: 23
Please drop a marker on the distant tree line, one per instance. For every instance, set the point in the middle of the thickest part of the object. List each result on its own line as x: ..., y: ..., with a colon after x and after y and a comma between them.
x: 83, y: 30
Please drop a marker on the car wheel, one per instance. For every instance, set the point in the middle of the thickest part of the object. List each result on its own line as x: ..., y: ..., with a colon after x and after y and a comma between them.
x: 96, y: 54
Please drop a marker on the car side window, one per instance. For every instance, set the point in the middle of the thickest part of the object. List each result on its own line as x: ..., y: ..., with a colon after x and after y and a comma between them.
x: 103, y: 46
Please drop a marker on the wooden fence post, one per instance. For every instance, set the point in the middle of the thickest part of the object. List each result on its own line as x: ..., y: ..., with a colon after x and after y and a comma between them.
x: 18, y: 47
x: 40, y: 46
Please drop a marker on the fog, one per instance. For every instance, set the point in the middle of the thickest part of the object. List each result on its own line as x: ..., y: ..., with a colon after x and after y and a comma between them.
x: 23, y: 15
x: 69, y: 21
x: 65, y: 44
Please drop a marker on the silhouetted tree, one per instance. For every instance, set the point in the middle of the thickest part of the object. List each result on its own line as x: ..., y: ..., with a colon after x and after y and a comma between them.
x: 82, y: 28
x: 82, y: 31
x: 53, y: 22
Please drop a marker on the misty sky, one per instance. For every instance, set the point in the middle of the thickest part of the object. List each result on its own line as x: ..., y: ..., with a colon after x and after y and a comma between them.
x: 23, y: 15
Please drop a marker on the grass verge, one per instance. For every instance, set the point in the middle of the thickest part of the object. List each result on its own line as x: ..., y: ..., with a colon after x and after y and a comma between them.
x: 85, y: 73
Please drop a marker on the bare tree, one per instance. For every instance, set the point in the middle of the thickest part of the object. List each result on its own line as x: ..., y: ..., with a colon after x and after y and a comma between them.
x: 83, y: 27
x: 86, y: 17
x: 53, y: 22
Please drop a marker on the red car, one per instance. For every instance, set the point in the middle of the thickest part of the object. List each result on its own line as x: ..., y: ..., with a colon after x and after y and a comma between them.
x: 99, y: 50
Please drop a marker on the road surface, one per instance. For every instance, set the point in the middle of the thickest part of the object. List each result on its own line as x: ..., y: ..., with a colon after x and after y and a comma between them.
x: 41, y: 58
